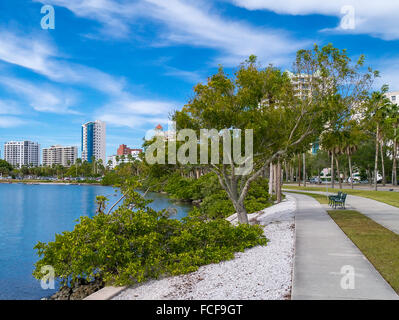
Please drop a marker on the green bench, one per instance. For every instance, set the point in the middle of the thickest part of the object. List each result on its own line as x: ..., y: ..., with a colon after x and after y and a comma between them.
x: 338, y: 199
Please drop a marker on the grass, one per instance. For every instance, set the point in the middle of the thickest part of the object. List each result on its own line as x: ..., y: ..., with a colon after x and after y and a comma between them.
x: 378, y: 244
x: 388, y: 197
x: 319, y: 197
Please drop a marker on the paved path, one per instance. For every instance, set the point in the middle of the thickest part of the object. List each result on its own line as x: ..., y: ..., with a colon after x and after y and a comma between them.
x: 382, y: 213
x: 322, y: 250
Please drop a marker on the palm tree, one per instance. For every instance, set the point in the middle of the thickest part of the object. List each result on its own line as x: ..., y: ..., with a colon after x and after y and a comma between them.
x: 377, y: 112
x: 77, y: 164
x: 329, y: 141
x: 394, y: 121
x: 93, y: 161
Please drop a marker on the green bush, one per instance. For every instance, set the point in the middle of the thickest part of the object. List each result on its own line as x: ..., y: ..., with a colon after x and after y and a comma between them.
x: 130, y: 246
x: 111, y: 178
x: 215, y: 202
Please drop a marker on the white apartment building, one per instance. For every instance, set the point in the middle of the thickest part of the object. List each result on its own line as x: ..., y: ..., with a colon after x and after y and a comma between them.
x: 22, y: 153
x: 302, y: 83
x: 393, y: 96
x: 65, y: 156
x: 116, y: 160
x: 94, y: 141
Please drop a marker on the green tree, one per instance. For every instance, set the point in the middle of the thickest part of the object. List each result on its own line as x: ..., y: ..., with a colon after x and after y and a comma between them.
x: 5, y: 167
x: 265, y: 100
x: 376, y: 114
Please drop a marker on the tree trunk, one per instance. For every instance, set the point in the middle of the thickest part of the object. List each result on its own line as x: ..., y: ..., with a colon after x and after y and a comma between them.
x: 271, y: 180
x: 376, y: 158
x: 242, y: 214
x: 350, y: 169
x: 395, y: 155
x: 286, y: 170
x: 339, y: 173
x: 332, y: 171
x: 292, y: 168
x: 382, y: 163
x: 299, y: 170
x: 275, y: 181
x: 278, y: 180
x: 318, y: 176
x: 304, y: 169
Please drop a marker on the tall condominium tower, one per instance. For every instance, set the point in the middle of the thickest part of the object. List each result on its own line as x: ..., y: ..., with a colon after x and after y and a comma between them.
x: 65, y: 156
x: 93, y: 141
x: 22, y: 153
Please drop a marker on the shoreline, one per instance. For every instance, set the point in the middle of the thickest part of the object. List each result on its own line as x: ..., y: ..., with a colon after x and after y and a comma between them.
x: 37, y: 182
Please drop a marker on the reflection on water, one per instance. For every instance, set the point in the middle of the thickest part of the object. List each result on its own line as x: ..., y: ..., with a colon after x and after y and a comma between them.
x: 32, y: 213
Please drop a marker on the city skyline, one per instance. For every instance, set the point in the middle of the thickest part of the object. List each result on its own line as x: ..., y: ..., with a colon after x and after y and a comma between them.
x: 93, y: 144
x: 131, y: 63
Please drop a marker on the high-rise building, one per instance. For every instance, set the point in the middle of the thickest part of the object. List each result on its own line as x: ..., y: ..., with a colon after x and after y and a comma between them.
x: 65, y: 156
x: 93, y: 141
x: 22, y: 153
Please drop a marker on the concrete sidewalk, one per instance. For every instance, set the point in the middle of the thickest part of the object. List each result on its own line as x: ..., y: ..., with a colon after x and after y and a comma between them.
x: 322, y: 252
x: 382, y: 213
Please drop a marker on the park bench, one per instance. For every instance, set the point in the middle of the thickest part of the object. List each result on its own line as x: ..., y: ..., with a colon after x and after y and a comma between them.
x: 341, y: 201
x: 332, y: 197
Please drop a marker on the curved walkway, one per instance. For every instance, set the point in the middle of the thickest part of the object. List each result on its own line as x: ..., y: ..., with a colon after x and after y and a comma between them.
x: 323, y: 257
x: 382, y: 213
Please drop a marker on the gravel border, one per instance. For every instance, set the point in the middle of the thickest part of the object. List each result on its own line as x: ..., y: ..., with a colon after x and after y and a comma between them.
x: 259, y: 273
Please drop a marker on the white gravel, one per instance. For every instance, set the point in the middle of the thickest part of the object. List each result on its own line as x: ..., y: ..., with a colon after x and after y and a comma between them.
x: 260, y: 273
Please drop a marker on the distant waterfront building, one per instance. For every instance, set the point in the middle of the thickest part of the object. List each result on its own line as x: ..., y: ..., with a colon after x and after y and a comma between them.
x: 65, y: 156
x: 22, y: 153
x: 122, y: 156
x: 125, y: 150
x: 94, y: 141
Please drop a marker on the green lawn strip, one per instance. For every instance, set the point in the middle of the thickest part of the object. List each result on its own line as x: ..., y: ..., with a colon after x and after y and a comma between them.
x: 388, y: 197
x: 319, y: 197
x: 378, y: 244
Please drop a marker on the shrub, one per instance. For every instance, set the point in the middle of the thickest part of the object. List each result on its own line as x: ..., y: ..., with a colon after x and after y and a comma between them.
x: 130, y: 246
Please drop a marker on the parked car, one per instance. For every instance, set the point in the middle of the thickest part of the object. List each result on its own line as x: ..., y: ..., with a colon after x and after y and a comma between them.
x: 315, y: 180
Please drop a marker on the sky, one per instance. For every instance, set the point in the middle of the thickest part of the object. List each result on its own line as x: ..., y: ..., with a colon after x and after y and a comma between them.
x: 131, y: 63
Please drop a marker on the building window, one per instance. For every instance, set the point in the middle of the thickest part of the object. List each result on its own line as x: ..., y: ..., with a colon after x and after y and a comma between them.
x: 393, y: 98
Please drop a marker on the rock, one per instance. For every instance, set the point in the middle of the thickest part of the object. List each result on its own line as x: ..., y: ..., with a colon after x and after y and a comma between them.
x: 78, y: 291
x: 196, y: 202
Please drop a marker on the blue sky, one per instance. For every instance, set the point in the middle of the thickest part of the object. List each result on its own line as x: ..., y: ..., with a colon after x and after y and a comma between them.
x: 130, y: 63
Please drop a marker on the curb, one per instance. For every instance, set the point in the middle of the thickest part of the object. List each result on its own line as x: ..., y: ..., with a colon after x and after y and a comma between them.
x: 106, y: 293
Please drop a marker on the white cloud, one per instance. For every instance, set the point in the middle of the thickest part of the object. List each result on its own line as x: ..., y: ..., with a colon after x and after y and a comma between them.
x: 41, y: 57
x: 121, y: 109
x: 9, y: 107
x: 376, y: 18
x: 189, y: 76
x: 42, y: 98
x: 191, y: 23
x: 9, y: 122
x: 25, y: 51
x: 136, y: 113
x: 388, y: 68
x: 110, y: 13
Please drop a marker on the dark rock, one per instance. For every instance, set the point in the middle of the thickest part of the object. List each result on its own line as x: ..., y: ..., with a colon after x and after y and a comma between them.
x: 80, y: 290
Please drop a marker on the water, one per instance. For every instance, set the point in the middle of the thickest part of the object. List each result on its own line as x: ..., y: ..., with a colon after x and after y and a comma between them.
x: 32, y: 213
